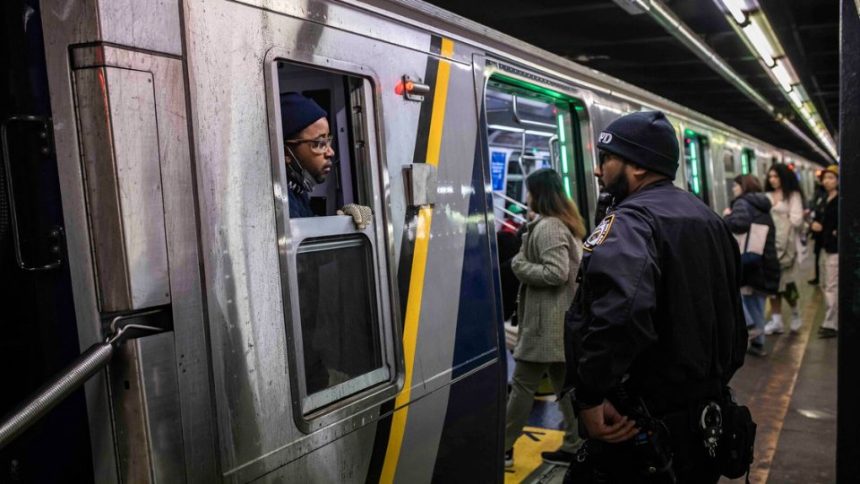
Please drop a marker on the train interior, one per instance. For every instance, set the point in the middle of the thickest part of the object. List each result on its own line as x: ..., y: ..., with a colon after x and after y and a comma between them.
x: 696, y: 162
x: 528, y: 128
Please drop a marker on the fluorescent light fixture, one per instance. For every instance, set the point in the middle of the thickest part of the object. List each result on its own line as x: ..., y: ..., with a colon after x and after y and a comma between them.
x: 796, y: 98
x: 781, y: 73
x: 736, y: 8
x: 759, y: 41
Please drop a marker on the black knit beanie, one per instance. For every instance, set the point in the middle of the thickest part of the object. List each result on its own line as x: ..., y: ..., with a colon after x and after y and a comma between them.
x: 645, y: 138
x: 298, y: 112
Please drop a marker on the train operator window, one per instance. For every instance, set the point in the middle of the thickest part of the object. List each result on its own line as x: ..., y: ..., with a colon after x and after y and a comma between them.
x: 528, y: 128
x: 337, y: 287
x: 695, y: 153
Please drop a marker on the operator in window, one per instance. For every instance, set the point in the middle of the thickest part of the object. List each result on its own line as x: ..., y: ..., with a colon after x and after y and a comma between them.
x: 308, y: 154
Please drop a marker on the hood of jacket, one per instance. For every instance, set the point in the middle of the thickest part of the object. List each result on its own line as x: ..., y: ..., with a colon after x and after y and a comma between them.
x: 759, y: 201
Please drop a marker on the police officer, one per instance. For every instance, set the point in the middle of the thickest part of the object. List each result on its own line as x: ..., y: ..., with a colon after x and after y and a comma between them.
x: 657, y: 317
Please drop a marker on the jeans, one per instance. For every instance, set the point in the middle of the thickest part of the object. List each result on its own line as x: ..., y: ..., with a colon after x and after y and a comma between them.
x: 754, y: 314
x: 831, y: 291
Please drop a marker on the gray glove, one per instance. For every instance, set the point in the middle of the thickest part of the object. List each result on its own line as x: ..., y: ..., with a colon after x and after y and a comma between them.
x: 362, y: 215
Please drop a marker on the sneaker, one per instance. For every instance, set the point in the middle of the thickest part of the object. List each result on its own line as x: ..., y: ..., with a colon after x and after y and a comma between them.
x: 796, y: 323
x: 773, y: 327
x: 559, y: 457
x: 757, y: 350
x: 825, y: 333
x: 509, y: 458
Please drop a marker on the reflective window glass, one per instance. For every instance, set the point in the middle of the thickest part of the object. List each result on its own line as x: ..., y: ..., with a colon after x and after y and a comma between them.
x: 337, y: 301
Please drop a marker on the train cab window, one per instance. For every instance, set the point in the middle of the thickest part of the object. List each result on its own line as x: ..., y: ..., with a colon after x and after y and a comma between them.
x: 529, y: 128
x: 747, y: 161
x: 695, y: 152
x: 337, y: 288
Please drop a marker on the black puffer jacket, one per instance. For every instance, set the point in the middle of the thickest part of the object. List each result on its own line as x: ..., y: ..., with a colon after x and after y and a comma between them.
x: 754, y: 208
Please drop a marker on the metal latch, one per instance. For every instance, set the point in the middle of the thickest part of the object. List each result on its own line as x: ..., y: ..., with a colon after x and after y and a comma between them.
x: 412, y: 89
x: 420, y: 184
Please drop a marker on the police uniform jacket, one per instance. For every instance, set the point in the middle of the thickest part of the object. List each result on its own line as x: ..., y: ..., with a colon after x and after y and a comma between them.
x: 546, y: 267
x: 658, y: 304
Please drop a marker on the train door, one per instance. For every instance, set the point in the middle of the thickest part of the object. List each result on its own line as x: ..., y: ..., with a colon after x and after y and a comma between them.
x: 696, y: 164
x: 339, y: 352
x: 529, y: 127
x: 38, y: 328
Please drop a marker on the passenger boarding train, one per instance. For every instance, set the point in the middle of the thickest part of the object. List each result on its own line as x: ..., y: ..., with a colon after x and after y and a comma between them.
x: 166, y: 127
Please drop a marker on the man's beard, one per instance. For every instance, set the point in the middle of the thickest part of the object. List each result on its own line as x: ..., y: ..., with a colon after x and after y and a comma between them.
x: 619, y: 188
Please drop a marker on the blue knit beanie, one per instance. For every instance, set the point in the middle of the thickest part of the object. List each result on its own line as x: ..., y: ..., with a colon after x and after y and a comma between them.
x: 645, y: 138
x: 298, y: 112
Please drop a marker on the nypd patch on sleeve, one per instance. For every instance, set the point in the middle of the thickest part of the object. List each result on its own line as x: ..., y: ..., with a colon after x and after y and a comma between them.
x: 600, y: 233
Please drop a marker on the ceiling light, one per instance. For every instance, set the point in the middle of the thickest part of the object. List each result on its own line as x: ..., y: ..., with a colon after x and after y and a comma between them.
x: 782, y: 75
x: 759, y: 41
x: 736, y: 8
x: 795, y: 97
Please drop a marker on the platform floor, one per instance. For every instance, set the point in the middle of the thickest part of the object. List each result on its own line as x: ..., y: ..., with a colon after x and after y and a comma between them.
x: 791, y: 394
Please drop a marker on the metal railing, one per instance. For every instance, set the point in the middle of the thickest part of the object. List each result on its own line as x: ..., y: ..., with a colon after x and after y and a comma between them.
x: 91, y: 361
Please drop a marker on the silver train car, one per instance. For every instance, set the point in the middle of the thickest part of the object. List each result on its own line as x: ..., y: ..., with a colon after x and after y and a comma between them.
x: 166, y: 128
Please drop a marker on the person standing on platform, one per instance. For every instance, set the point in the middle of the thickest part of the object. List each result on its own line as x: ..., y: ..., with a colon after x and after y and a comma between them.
x: 656, y: 329
x: 816, y: 211
x: 827, y: 229
x: 749, y: 219
x: 546, y: 267
x: 786, y: 199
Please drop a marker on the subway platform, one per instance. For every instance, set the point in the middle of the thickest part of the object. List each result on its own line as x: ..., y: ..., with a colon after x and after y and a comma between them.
x: 791, y: 393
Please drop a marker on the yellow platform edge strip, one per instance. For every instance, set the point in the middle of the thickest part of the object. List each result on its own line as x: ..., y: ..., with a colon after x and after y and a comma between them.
x: 416, y: 278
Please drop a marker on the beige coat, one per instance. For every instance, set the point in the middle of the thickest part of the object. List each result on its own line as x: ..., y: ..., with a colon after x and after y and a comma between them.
x: 546, y: 266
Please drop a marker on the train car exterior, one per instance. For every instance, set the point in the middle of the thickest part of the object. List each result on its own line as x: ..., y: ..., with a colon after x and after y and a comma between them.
x: 168, y: 135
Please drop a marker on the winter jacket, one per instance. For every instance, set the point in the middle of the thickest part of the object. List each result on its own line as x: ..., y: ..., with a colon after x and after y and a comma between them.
x: 546, y: 266
x: 754, y: 208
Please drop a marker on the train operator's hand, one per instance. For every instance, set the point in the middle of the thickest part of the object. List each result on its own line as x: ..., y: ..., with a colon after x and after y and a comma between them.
x: 603, y: 422
x: 361, y: 214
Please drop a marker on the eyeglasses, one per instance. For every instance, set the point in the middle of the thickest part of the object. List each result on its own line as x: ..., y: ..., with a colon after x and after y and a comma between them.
x: 318, y: 145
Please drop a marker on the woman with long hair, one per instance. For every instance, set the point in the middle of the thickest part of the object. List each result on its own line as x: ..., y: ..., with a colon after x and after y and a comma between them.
x: 750, y: 220
x: 546, y: 267
x: 786, y: 199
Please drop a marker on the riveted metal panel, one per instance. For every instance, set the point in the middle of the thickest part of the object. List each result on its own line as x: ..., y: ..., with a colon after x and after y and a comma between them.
x: 119, y: 133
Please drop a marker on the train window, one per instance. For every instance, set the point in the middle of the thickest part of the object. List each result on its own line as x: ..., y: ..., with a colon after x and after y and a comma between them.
x: 695, y: 152
x: 336, y: 279
x: 340, y: 342
x: 528, y: 128
x: 747, y: 161
x: 729, y: 172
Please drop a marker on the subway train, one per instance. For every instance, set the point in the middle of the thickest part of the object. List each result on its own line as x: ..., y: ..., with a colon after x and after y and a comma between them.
x: 173, y: 253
